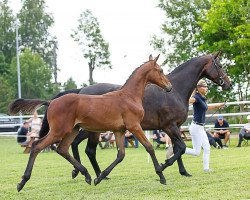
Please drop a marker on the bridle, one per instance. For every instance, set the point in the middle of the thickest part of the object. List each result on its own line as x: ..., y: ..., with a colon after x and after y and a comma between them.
x: 221, y: 76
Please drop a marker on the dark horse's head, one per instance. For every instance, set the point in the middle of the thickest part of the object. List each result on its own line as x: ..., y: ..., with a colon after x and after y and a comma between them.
x: 213, y: 71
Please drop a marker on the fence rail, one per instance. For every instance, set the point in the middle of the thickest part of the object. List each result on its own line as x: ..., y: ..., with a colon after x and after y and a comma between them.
x: 209, y: 126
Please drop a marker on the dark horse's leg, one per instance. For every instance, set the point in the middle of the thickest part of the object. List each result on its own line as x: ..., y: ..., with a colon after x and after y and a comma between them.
x: 36, y: 148
x: 119, y: 138
x: 90, y: 150
x: 179, y: 149
x: 63, y: 150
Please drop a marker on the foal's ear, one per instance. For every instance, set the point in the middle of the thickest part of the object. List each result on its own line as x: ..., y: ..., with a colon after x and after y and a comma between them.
x: 217, y: 54
x: 150, y: 57
x: 157, y: 58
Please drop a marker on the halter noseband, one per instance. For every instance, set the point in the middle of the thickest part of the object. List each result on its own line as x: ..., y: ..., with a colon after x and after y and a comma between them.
x: 221, y: 77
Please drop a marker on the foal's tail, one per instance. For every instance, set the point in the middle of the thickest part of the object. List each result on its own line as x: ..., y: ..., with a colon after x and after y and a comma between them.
x: 26, y: 105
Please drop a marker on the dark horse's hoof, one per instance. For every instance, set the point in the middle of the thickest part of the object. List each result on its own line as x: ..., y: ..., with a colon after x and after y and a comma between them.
x: 163, y: 181
x: 74, y: 173
x: 185, y: 174
x: 19, y: 187
x: 88, y: 180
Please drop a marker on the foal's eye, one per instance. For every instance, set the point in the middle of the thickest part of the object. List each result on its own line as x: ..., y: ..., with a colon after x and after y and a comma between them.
x: 161, y: 70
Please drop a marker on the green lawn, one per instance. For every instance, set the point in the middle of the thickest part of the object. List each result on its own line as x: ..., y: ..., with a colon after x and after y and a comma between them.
x: 134, y: 178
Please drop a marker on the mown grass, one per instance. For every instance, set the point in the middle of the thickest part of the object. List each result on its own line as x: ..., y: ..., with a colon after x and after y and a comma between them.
x: 134, y: 178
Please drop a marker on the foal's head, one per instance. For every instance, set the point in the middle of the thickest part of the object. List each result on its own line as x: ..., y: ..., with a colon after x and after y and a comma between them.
x: 215, y: 72
x: 157, y: 76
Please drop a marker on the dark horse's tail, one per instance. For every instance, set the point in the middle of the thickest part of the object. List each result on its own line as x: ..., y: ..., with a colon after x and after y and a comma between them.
x: 26, y: 105
x: 45, y: 125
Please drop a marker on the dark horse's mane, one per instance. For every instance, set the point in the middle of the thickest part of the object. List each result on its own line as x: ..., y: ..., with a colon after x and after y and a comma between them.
x: 183, y: 65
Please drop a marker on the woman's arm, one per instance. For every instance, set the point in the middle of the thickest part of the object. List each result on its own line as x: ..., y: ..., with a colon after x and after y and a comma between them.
x: 215, y: 105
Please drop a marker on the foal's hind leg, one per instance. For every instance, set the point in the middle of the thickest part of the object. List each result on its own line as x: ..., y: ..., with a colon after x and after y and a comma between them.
x: 82, y: 135
x: 36, y: 148
x: 119, y: 137
x: 63, y: 150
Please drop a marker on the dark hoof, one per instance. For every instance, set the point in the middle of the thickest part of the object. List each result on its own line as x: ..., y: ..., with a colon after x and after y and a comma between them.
x: 163, y: 166
x: 163, y: 181
x: 96, y: 181
x: 74, y: 173
x: 19, y: 187
x: 88, y: 180
x: 185, y: 174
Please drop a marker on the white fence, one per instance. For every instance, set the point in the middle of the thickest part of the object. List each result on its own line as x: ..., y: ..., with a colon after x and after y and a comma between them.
x: 25, y: 117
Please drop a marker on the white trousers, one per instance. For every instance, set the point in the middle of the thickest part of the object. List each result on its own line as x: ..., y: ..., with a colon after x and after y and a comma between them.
x: 199, y: 139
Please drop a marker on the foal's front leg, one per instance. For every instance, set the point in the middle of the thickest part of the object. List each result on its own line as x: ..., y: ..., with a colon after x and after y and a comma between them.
x: 119, y: 138
x: 139, y: 134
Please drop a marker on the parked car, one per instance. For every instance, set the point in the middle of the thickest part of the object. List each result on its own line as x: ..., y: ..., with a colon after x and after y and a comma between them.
x: 8, y: 124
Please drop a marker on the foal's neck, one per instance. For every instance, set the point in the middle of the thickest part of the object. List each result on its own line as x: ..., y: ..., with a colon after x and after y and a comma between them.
x: 135, y: 85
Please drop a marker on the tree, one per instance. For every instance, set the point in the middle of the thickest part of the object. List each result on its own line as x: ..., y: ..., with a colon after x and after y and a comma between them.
x: 69, y: 84
x: 7, y: 36
x: 34, y: 30
x: 179, y: 29
x: 93, y: 46
x: 35, y: 76
x: 226, y: 26
x: 7, y: 94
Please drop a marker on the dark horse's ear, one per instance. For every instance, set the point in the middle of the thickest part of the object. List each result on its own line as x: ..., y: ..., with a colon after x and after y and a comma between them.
x: 217, y: 54
x: 150, y: 57
x: 157, y: 58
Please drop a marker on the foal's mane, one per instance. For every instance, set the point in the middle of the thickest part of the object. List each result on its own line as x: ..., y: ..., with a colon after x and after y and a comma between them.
x: 134, y: 73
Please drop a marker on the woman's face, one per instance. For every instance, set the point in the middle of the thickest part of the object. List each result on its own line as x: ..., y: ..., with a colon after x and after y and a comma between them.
x: 203, y: 90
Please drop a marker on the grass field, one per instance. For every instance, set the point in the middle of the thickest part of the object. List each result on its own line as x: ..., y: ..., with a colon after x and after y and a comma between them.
x: 134, y: 178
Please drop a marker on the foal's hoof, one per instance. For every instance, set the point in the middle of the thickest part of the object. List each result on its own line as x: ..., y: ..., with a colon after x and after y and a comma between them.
x: 88, y: 180
x: 19, y: 187
x: 185, y: 174
x: 96, y: 181
x: 74, y: 173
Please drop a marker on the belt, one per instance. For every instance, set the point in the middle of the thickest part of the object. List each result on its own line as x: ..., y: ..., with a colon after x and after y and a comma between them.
x: 200, y: 124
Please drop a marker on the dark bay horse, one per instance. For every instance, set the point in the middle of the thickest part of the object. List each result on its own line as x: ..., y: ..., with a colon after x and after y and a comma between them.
x: 117, y: 111
x: 167, y: 111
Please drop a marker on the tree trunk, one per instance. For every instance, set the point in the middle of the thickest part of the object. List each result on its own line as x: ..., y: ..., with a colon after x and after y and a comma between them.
x: 91, y: 69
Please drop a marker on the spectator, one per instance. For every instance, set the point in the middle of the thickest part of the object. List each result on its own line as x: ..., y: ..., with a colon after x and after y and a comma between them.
x: 244, y: 132
x: 221, y: 130
x: 214, y: 141
x: 23, y: 133
x: 105, y: 137
x: 35, y: 124
x: 129, y: 137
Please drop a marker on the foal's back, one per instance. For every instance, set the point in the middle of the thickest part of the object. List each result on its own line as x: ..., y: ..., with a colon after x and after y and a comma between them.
x: 93, y: 112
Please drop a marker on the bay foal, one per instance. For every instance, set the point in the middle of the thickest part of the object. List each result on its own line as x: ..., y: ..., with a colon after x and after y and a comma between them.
x: 117, y: 111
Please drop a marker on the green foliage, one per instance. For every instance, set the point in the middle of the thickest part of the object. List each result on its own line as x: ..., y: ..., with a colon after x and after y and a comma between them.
x: 35, y: 76
x: 7, y: 94
x: 93, y: 46
x: 4, y: 67
x: 226, y: 26
x: 133, y: 178
x: 178, y: 30
x: 7, y: 36
x: 70, y: 84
